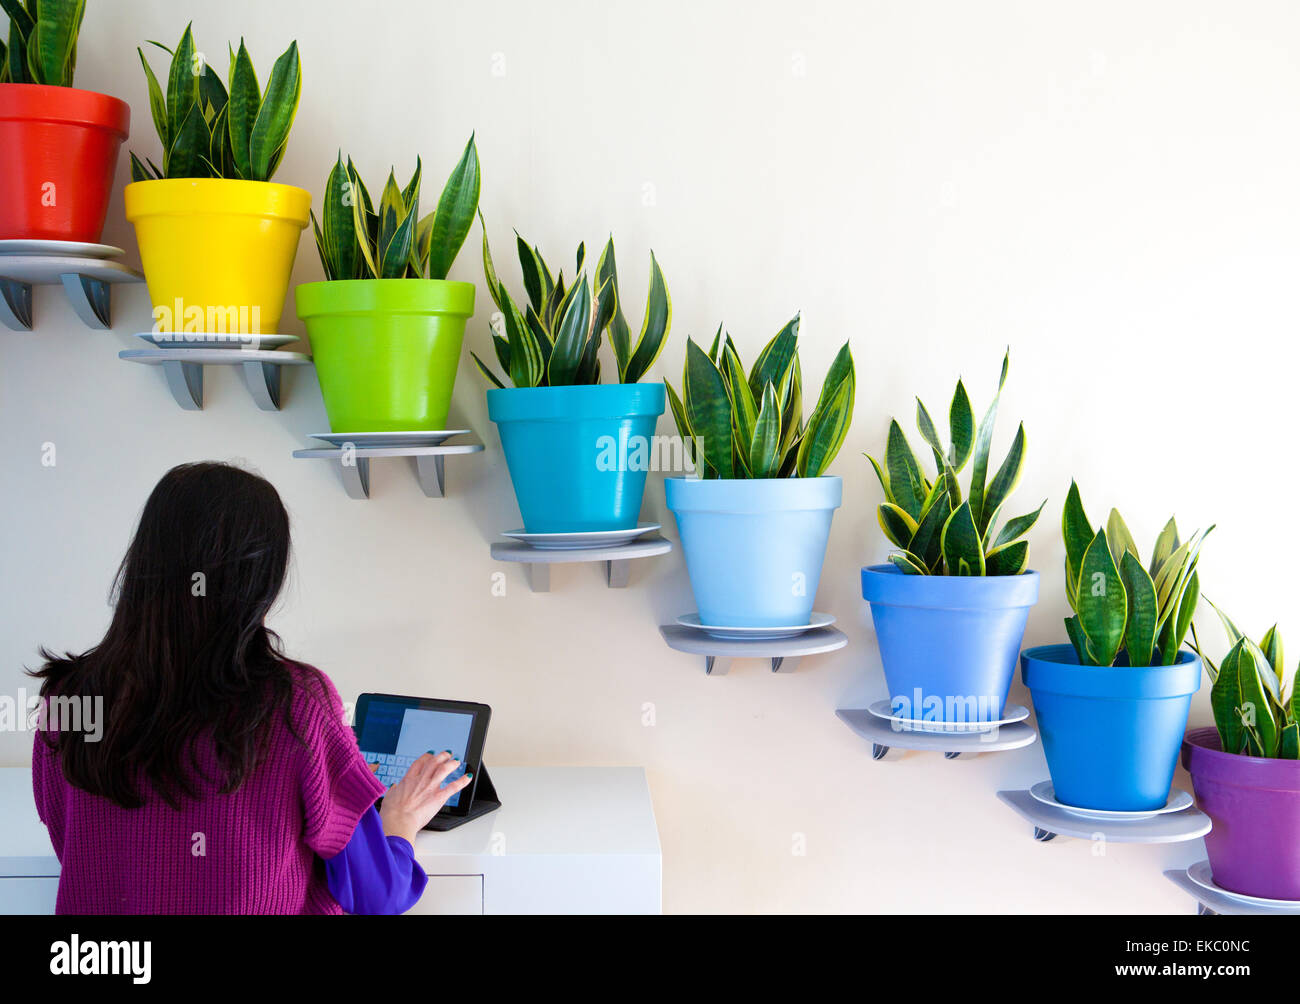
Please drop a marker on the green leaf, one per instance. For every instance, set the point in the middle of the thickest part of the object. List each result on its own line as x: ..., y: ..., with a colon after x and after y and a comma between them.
x: 1017, y: 526
x: 1176, y: 627
x: 905, y: 480
x: 1166, y: 544
x: 1225, y: 699
x: 1080, y: 641
x: 455, y: 213
x: 829, y: 422
x: 245, y: 102
x: 1117, y: 533
x: 1140, y: 637
x: 570, y: 337
x: 882, y: 477
x: 897, y: 525
x: 619, y: 334
x: 1271, y: 644
x: 925, y: 425
x: 908, y: 564
x: 275, y: 116
x: 527, y: 367
x: 157, y: 100
x: 487, y: 373
x: 708, y: 409
x: 1103, y: 603
x: 189, y: 150
x: 654, y: 328
x: 182, y: 94
x: 763, y: 445
x: 52, y: 42
x: 396, y: 232
x: 744, y: 409
x: 1289, y: 743
x: 961, y: 426
x: 138, y: 171
x: 1007, y: 559
x: 776, y: 358
x: 338, y: 227
x: 1077, y: 533
x: 927, y: 540
x: 1004, y: 481
x: 961, y: 542
x: 1255, y: 705
x: 983, y: 443
x: 489, y: 269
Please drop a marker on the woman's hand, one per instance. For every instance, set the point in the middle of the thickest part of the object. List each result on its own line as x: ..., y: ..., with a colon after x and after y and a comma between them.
x: 417, y: 797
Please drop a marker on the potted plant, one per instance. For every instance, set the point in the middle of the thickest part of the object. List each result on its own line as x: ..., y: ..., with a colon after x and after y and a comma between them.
x: 386, y: 325
x: 217, y: 237
x: 950, y: 608
x: 578, y: 450
x: 755, y: 523
x: 1112, y: 705
x: 58, y: 144
x: 1246, y: 770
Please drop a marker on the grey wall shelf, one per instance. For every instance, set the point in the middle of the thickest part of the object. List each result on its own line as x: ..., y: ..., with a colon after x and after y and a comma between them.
x: 354, y: 464
x: 1049, y: 822
x: 783, y: 653
x: 618, y: 572
x: 1210, y: 903
x: 87, y: 283
x: 889, y: 744
x: 183, y: 369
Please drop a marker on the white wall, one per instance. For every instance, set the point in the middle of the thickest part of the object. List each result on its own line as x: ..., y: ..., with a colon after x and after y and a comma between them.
x: 1109, y: 187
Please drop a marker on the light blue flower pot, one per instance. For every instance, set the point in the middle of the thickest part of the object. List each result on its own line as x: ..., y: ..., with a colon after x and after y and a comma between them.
x: 578, y: 455
x: 948, y: 643
x: 1111, y: 734
x: 754, y: 548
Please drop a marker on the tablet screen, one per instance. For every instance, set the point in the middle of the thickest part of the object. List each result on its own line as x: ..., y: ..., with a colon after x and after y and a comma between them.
x: 394, y: 735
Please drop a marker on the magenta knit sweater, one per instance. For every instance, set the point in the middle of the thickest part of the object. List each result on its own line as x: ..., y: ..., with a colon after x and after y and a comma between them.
x: 256, y: 850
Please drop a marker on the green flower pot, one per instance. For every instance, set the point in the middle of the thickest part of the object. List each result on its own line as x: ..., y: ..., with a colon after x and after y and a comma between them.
x: 386, y: 350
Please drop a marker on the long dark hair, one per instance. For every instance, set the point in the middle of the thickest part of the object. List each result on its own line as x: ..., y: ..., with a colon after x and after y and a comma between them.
x: 187, y: 658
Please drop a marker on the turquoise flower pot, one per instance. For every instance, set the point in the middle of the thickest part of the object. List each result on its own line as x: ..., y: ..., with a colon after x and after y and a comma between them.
x: 754, y: 548
x: 578, y: 455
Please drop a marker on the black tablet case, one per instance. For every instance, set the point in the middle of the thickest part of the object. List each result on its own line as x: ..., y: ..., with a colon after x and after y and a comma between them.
x: 483, y: 801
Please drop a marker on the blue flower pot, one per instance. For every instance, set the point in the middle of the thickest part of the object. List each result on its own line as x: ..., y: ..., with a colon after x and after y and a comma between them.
x: 578, y: 455
x: 948, y: 643
x: 1111, y: 734
x: 754, y: 548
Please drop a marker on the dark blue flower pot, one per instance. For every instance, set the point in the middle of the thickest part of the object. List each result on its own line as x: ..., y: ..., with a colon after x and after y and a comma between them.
x: 1111, y: 734
x: 948, y: 643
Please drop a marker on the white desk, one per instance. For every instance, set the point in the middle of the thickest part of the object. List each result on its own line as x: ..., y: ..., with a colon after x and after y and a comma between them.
x: 565, y: 840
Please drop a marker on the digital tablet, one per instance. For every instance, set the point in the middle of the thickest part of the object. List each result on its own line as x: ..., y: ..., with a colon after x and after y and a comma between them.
x: 394, y: 731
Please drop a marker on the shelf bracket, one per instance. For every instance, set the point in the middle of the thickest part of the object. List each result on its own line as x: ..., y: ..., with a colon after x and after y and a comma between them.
x: 432, y: 475
x: 16, y: 304
x: 716, y: 665
x: 539, y: 577
x: 91, y: 299
x: 785, y: 663
x: 356, y: 477
x: 1042, y: 835
x: 618, y: 574
x: 263, y: 381
x: 185, y: 381
x: 881, y: 752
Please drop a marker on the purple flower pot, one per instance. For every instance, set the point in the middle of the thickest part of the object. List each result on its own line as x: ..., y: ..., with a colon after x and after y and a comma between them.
x: 1254, y: 802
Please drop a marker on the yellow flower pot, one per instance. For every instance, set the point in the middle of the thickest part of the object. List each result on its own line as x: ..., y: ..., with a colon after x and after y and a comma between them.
x: 217, y: 253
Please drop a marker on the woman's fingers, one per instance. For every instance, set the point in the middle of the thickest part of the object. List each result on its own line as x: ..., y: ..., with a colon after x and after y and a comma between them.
x: 422, y: 769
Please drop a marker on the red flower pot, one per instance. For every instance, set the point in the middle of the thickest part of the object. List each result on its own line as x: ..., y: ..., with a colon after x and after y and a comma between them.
x: 58, y: 152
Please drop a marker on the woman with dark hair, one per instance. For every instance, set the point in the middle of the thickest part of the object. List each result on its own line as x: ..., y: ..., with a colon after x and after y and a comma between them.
x: 226, y: 779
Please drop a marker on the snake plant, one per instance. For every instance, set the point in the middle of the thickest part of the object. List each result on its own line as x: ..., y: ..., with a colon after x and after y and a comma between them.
x: 554, y: 341
x: 1250, y: 711
x: 356, y: 240
x: 1119, y: 605
x: 209, y: 131
x: 939, y: 531
x: 42, y: 41
x: 750, y: 425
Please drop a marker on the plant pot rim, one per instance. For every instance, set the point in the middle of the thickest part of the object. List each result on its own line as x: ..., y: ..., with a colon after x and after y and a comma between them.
x: 575, y: 402
x: 217, y: 197
x: 1055, y: 669
x: 1203, y: 756
x: 739, y: 496
x: 886, y: 585
x: 335, y: 297
x: 74, y: 105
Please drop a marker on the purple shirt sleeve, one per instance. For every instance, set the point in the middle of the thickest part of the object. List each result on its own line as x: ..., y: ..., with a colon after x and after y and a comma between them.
x: 375, y: 873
